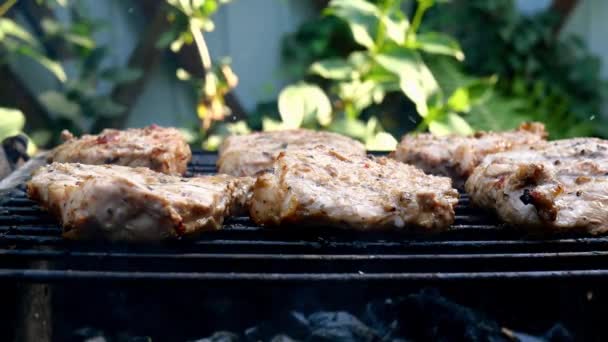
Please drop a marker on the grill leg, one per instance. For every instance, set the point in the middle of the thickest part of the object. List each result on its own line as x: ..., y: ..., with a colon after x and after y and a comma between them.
x: 33, y: 312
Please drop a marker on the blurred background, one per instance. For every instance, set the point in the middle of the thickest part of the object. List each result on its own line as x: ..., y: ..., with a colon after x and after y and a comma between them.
x: 372, y: 70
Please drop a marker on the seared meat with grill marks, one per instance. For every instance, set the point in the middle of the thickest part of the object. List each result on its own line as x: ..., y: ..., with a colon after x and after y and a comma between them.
x: 135, y: 204
x: 456, y: 156
x: 246, y: 155
x: 320, y: 186
x: 558, y: 186
x: 160, y: 149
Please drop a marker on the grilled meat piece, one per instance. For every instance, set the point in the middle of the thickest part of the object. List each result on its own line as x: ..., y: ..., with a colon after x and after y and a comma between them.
x: 325, y: 187
x: 558, y: 186
x: 135, y: 204
x: 160, y: 149
x: 456, y: 156
x: 246, y: 155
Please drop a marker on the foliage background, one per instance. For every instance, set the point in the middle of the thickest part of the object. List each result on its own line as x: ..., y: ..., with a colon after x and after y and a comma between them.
x: 359, y: 84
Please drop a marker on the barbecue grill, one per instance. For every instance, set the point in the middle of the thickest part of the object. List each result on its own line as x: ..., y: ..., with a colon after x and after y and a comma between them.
x: 477, y: 247
x: 476, y: 251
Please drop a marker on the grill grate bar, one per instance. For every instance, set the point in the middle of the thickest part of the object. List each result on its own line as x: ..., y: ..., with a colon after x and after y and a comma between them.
x: 475, y: 243
x: 63, y: 275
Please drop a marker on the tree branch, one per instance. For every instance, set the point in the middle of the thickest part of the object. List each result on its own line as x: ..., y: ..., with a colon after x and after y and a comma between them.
x: 189, y: 60
x: 146, y: 57
x: 564, y: 8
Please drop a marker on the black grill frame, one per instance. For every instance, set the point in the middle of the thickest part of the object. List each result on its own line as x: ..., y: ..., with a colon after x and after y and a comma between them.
x: 476, y: 248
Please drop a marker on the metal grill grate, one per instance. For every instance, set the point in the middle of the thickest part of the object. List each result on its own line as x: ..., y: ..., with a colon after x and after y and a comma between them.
x: 476, y: 247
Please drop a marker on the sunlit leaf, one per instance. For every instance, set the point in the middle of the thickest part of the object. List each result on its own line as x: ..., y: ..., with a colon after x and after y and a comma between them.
x: 12, y: 122
x: 382, y: 141
x: 361, y: 16
x: 349, y: 127
x: 460, y: 101
x: 439, y: 43
x: 11, y: 28
x: 396, y: 28
x: 415, y: 80
x: 360, y: 94
x: 451, y: 123
x: 269, y: 125
x: 333, y: 69
x: 303, y: 102
x: 213, y: 142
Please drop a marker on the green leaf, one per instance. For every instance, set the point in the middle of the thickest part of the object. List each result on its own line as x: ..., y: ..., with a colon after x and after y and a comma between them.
x: 302, y: 103
x: 10, y: 28
x: 165, y: 39
x: 54, y: 67
x: 333, y: 69
x: 382, y: 141
x: 360, y: 94
x: 396, y: 28
x: 121, y: 75
x: 59, y: 104
x: 439, y: 43
x: 12, y: 122
x: 349, y: 127
x: 451, y: 123
x: 105, y: 107
x: 80, y: 40
x: 415, y: 79
x: 270, y: 125
x: 213, y: 142
x: 361, y: 16
x: 460, y: 101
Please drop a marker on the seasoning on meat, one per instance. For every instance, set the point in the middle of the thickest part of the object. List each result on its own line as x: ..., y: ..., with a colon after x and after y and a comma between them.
x: 135, y: 204
x: 321, y: 186
x: 456, y: 156
x: 529, y: 188
x: 246, y: 155
x: 160, y: 149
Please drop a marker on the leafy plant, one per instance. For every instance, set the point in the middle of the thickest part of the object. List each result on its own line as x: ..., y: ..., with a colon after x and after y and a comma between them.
x: 12, y: 122
x: 391, y: 58
x: 76, y: 103
x: 189, y: 19
x: 541, y: 76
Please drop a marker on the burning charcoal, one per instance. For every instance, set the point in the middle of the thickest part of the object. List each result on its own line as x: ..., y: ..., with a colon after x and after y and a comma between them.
x: 339, y: 326
x: 221, y: 336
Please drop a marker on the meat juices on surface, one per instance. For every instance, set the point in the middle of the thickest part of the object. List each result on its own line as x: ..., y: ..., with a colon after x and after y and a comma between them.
x: 456, y: 156
x: 135, y: 204
x: 160, y: 149
x: 560, y: 186
x: 324, y: 187
x: 246, y: 155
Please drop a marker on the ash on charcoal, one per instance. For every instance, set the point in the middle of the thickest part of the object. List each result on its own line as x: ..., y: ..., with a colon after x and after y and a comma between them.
x: 423, y: 316
x: 221, y: 336
x: 293, y: 324
x: 339, y: 326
